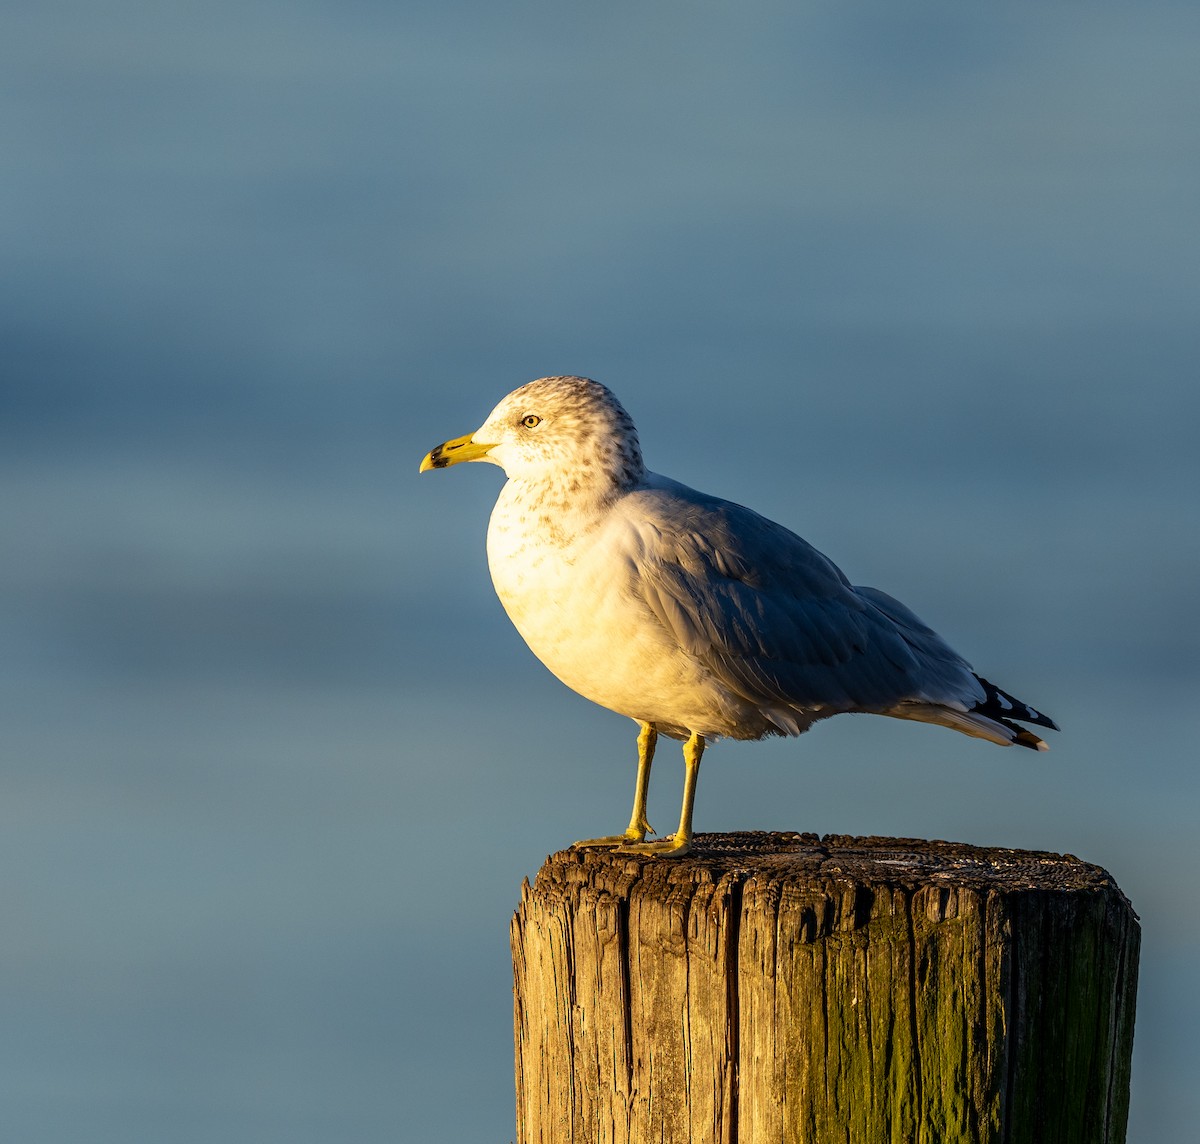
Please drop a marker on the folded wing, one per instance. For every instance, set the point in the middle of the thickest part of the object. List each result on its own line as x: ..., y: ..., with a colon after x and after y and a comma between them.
x: 777, y: 622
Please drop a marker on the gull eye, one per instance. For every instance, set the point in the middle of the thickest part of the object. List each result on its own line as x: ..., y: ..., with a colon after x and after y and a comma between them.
x: 532, y: 421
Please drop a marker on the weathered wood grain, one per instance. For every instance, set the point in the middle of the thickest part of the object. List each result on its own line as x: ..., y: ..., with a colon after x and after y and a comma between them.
x: 784, y: 988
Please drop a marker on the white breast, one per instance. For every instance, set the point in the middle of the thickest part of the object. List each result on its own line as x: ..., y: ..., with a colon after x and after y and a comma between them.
x: 556, y: 591
x: 570, y: 590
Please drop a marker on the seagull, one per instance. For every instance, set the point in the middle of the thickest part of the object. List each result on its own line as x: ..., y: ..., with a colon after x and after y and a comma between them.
x: 695, y: 617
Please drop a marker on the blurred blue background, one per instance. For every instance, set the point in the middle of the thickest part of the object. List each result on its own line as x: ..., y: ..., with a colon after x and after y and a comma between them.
x: 921, y: 283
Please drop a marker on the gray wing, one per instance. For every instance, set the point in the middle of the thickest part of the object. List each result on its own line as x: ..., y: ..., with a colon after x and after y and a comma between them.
x: 778, y: 622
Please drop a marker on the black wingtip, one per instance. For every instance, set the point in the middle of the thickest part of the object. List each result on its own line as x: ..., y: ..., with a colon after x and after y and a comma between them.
x: 1001, y: 706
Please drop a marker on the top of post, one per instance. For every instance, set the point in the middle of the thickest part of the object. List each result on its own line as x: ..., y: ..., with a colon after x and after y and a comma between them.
x: 788, y: 856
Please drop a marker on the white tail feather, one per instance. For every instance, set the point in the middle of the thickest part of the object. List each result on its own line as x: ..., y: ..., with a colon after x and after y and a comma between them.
x: 968, y: 722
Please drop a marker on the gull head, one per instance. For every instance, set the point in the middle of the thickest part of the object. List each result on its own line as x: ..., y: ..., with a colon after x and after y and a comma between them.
x: 553, y: 430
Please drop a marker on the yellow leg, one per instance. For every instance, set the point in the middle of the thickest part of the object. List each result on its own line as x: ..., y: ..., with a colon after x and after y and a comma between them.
x: 679, y: 843
x: 638, y: 826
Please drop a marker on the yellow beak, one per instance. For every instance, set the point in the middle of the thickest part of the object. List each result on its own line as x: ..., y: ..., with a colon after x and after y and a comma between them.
x: 452, y: 452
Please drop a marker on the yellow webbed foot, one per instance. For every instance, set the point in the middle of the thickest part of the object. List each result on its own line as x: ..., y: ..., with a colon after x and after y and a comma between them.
x: 630, y: 837
x: 669, y: 847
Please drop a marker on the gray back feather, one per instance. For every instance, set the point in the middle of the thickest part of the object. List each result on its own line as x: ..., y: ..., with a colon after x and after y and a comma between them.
x: 775, y: 620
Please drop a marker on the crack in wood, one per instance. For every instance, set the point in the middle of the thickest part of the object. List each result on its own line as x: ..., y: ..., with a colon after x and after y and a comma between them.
x: 732, y: 1010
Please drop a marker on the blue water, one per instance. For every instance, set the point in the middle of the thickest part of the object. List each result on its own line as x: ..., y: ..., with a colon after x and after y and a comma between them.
x: 920, y: 284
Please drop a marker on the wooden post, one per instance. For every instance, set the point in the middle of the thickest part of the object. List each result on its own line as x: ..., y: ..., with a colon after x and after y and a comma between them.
x: 785, y: 987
